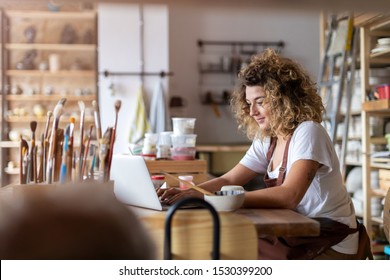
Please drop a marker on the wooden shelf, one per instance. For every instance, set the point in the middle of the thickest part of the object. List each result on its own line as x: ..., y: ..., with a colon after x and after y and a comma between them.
x: 61, y: 73
x: 11, y: 171
x: 381, y: 54
x: 52, y: 15
x: 354, y: 163
x: 40, y: 97
x: 377, y: 106
x: 27, y: 119
x: 378, y: 140
x: 377, y: 220
x: 371, y: 28
x: 378, y: 192
x: 49, y: 28
x: 50, y: 47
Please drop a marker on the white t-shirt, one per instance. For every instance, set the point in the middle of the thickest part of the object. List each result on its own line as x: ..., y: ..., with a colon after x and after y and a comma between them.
x: 326, y: 195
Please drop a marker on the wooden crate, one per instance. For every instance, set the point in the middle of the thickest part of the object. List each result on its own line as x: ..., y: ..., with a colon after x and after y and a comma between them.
x: 196, y: 168
x: 384, y: 179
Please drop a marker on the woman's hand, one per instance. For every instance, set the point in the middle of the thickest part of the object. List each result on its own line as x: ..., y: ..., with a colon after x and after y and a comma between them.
x: 171, y: 195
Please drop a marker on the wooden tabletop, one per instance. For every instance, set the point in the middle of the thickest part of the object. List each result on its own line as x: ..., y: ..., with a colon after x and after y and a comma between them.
x: 275, y: 222
x: 281, y: 222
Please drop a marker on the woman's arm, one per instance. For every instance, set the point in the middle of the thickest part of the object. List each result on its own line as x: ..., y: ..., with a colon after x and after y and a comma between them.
x: 238, y: 175
x: 290, y: 193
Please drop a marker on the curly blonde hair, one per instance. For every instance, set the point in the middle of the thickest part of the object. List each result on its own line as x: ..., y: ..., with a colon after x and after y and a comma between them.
x: 290, y: 94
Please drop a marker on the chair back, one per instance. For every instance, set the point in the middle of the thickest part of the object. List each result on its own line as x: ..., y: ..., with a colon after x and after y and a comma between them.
x: 192, y: 235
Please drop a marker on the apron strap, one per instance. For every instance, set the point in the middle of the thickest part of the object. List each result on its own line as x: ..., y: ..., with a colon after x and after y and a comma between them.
x: 282, y: 169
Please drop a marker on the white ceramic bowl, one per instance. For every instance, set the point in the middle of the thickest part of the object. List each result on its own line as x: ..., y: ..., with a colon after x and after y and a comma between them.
x: 226, y: 200
x: 232, y: 188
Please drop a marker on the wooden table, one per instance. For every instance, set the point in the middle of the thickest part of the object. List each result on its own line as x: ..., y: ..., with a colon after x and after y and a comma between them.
x: 281, y: 222
x: 275, y: 222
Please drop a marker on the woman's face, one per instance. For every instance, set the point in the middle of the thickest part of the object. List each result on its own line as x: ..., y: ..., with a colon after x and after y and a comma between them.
x: 254, y: 96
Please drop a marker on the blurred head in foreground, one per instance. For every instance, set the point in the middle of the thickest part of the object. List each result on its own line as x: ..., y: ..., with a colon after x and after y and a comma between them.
x: 71, y: 223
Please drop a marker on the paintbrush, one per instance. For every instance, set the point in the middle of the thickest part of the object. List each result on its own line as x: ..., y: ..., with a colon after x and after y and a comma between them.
x: 23, y: 148
x: 81, y: 156
x: 188, y: 184
x: 45, y: 144
x: 69, y: 155
x: 86, y: 150
x: 41, y: 155
x: 118, y: 105
x: 52, y: 144
x: 63, y: 171
x: 103, y: 152
x: 58, y: 154
x: 96, y: 114
x: 32, y: 163
x: 93, y: 152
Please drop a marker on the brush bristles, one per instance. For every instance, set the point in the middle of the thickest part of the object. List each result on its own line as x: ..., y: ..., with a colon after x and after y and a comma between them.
x: 118, y: 105
x: 57, y: 110
x: 49, y: 114
x: 81, y: 105
x: 94, y: 104
x: 62, y: 101
x: 33, y: 125
x: 72, y: 120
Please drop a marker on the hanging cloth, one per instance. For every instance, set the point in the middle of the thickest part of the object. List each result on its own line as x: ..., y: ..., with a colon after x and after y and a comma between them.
x: 159, y: 114
x: 140, y: 125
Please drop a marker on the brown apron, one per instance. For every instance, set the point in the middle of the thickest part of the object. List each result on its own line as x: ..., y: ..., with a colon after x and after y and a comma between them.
x: 284, y: 248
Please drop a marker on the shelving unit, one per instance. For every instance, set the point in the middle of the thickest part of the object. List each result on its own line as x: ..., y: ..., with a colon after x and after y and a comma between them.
x: 219, y: 63
x: 371, y: 28
x: 70, y: 36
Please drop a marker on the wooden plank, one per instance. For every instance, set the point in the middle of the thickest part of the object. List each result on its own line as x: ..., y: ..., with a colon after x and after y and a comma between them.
x: 51, y: 15
x: 63, y: 73
x: 384, y: 174
x: 56, y: 47
x: 365, y: 18
x: 53, y: 97
x: 274, y: 222
x: 177, y: 166
x: 376, y: 105
x: 281, y: 222
x: 43, y: 119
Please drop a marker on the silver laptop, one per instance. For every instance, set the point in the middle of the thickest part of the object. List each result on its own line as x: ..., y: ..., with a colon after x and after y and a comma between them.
x: 132, y: 182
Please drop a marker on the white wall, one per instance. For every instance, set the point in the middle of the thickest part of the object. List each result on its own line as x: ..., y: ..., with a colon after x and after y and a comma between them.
x: 119, y: 51
x: 299, y: 30
x: 171, y: 34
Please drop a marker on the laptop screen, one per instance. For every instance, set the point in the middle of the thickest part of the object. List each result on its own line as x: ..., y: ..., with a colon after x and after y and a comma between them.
x: 132, y: 182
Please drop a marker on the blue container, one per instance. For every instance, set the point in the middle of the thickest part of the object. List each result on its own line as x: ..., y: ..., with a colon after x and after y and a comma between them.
x: 387, y: 252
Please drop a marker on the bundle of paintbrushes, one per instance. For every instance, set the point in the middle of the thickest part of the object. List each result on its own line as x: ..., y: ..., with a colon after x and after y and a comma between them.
x: 57, y: 158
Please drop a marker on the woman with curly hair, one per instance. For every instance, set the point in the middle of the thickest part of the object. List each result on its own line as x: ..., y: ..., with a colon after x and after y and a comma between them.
x: 277, y: 104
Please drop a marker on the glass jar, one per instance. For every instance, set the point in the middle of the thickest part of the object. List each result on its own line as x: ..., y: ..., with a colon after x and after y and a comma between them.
x: 149, y: 147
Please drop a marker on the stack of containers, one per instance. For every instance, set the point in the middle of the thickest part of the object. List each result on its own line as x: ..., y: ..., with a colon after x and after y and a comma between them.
x: 183, y: 139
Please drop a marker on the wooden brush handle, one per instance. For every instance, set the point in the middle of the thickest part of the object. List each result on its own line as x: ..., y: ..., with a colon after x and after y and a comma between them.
x: 188, y: 184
